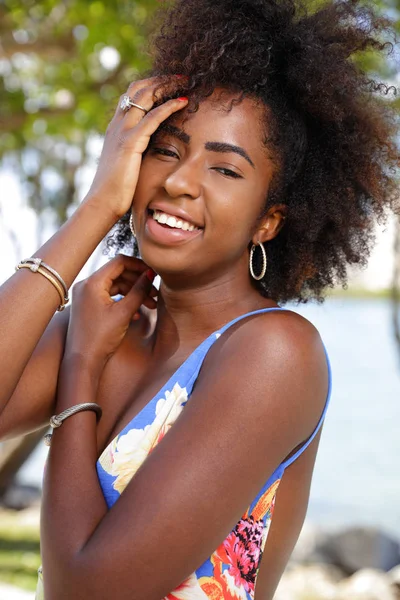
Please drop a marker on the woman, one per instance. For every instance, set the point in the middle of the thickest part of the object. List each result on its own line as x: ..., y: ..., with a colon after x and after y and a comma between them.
x: 251, y: 167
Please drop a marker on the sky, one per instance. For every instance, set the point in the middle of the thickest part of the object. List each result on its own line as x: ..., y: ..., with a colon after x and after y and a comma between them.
x: 18, y: 222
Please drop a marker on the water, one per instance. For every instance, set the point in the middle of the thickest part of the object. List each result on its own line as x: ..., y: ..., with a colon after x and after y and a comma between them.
x: 357, y: 476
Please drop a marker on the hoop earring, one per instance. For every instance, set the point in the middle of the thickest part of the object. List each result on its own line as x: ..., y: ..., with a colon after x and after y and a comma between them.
x: 264, y: 267
x: 131, y: 225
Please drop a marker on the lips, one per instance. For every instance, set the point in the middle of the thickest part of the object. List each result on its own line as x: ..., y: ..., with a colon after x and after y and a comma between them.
x: 164, y: 235
x: 176, y: 212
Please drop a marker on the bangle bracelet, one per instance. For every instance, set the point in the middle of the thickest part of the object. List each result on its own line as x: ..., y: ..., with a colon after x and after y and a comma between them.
x: 49, y: 278
x: 35, y: 263
x: 57, y: 420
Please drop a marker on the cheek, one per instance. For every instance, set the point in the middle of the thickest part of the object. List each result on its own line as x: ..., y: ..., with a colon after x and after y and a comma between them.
x: 237, y: 213
x: 145, y: 183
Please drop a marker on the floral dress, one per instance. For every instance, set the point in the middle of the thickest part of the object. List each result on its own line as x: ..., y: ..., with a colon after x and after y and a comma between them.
x: 230, y: 573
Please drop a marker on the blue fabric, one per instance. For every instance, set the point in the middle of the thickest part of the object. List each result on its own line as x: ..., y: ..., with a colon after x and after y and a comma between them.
x: 231, y: 571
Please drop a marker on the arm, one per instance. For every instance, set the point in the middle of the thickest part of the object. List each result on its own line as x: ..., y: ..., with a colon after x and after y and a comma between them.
x: 198, y: 480
x: 28, y: 301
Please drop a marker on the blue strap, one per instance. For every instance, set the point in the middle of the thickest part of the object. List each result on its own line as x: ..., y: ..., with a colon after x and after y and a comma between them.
x: 201, y: 353
x: 292, y: 458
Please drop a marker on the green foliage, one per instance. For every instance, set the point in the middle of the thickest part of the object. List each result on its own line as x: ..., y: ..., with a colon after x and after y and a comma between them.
x: 19, y: 551
x: 63, y: 66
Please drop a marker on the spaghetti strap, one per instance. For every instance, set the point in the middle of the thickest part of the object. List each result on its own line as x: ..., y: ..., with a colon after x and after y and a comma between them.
x: 300, y: 451
x: 121, y: 459
x: 203, y: 350
x: 202, y: 353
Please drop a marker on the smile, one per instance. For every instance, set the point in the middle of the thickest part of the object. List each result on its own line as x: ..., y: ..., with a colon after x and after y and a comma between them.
x: 175, y: 223
x: 166, y: 229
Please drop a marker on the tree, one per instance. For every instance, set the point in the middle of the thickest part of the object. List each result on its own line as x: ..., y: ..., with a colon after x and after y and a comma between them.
x: 62, y: 68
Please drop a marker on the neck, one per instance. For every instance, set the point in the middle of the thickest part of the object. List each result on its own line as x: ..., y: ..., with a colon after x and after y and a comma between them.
x: 185, y: 317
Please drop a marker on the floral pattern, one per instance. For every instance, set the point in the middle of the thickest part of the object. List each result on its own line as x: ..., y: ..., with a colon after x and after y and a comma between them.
x: 230, y: 573
x: 127, y: 452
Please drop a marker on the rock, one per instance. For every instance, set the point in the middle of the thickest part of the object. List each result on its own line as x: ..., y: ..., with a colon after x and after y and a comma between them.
x: 360, y: 548
x: 311, y: 547
x: 367, y: 584
x: 314, y: 582
x: 21, y: 496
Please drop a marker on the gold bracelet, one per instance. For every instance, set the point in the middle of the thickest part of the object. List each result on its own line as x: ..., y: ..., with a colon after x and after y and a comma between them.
x: 38, y: 262
x: 49, y: 278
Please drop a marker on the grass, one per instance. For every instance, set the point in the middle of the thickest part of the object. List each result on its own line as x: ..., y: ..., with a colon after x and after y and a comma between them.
x: 19, y: 550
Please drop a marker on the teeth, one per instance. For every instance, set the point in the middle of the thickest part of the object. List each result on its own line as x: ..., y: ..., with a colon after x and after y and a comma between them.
x: 171, y: 221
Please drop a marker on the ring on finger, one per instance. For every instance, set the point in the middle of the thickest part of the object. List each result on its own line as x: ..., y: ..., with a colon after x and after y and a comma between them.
x: 127, y: 103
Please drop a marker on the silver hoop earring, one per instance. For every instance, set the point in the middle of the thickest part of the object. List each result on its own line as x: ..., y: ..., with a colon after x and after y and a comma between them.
x: 264, y: 267
x: 131, y: 225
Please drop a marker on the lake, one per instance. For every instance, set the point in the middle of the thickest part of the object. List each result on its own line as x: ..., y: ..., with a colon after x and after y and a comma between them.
x: 357, y: 475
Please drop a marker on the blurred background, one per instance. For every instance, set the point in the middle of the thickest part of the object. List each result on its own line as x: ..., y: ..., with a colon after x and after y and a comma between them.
x: 63, y: 67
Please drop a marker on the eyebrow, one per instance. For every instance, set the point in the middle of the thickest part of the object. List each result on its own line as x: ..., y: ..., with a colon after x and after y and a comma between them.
x: 212, y: 146
x: 223, y: 147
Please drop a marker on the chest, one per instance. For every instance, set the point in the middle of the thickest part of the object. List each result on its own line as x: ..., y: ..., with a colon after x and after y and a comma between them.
x: 129, y: 383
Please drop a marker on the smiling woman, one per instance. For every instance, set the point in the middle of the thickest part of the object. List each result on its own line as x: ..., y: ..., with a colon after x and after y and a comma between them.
x: 184, y: 470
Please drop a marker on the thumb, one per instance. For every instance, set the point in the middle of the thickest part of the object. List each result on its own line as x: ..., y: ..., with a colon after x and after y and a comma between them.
x: 138, y: 292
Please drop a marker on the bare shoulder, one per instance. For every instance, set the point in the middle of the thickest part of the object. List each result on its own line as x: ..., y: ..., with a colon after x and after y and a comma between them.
x: 279, y: 358
x: 281, y: 336
x: 283, y: 331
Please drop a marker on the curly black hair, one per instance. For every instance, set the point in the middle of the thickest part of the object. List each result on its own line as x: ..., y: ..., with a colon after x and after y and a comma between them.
x: 330, y: 128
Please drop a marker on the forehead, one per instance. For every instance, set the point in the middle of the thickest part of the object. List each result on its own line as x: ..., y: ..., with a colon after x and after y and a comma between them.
x: 217, y: 119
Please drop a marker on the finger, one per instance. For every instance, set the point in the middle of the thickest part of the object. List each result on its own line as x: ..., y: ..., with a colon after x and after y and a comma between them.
x: 122, y: 287
x: 145, y: 93
x: 143, y: 131
x: 139, y: 292
x: 116, y: 266
x: 133, y: 87
x: 131, y: 277
x: 146, y: 97
x: 150, y: 303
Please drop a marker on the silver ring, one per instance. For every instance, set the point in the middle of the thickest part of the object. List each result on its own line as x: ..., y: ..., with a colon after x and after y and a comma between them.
x: 127, y: 103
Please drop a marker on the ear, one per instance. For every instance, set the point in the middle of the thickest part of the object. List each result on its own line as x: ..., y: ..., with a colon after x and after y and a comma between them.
x: 270, y: 224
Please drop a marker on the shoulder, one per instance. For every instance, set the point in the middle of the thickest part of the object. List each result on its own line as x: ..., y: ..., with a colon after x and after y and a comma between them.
x: 279, y: 359
x: 282, y: 336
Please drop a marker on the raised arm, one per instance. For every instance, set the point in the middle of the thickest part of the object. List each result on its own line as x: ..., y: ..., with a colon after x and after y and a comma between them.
x: 28, y: 301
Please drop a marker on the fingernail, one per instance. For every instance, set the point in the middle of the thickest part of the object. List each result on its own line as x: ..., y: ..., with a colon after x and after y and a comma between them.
x: 150, y: 274
x: 183, y: 98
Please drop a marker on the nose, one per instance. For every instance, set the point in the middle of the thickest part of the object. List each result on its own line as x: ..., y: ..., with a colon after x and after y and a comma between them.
x: 184, y: 180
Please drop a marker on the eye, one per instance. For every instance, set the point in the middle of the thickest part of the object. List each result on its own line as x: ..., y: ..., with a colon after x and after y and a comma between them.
x: 228, y: 172
x: 164, y: 151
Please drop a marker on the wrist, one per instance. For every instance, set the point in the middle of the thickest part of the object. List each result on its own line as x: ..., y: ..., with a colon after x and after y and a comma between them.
x: 110, y: 215
x: 82, y: 367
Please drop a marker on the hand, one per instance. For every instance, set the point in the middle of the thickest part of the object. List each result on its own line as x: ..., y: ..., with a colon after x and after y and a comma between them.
x: 98, y: 323
x: 126, y: 139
